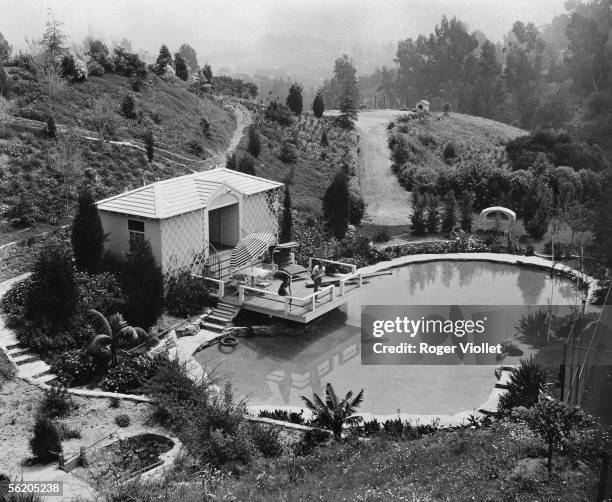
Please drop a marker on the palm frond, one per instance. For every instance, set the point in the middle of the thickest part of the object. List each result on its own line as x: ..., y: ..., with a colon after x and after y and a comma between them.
x: 358, y: 401
x: 99, y: 323
x: 131, y: 334
x: 309, y: 404
x: 116, y: 322
x: 330, y: 396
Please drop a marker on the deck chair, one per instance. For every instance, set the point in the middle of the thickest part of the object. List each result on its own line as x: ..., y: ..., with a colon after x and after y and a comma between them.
x: 284, y: 261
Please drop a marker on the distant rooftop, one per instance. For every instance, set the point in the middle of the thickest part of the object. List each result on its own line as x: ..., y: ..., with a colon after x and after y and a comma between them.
x: 174, y: 196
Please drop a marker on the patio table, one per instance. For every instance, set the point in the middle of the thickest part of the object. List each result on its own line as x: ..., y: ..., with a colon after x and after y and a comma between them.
x: 252, y: 274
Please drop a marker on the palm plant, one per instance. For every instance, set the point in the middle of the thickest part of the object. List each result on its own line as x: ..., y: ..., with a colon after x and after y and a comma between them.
x: 334, y: 413
x: 527, y: 381
x: 112, y: 331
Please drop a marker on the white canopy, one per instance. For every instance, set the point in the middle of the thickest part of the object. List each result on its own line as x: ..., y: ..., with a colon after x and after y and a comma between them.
x: 497, y: 216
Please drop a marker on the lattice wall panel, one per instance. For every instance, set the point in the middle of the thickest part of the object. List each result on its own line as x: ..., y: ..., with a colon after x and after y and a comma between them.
x: 261, y: 213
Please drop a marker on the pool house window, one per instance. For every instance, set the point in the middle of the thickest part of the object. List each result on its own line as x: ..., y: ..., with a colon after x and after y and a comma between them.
x: 136, y: 232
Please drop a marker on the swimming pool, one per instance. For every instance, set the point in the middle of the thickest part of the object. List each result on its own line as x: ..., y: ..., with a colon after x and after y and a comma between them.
x: 276, y: 371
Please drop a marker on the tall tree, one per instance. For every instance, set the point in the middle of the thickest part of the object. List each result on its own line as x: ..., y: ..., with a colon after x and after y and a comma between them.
x: 163, y: 60
x: 318, y: 105
x: 294, y: 98
x: 52, y: 299
x: 190, y: 56
x: 5, y: 49
x: 254, y: 144
x: 348, y: 111
x: 287, y: 220
x: 336, y: 205
x: 207, y: 72
x: 54, y: 40
x: 66, y: 159
x: 149, y: 141
x: 180, y: 67
x: 87, y: 235
x: 143, y: 284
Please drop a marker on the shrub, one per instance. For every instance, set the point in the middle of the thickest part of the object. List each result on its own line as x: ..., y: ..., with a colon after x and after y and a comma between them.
x: 266, y: 439
x: 284, y: 416
x: 449, y: 217
x: 205, y: 127
x: 67, y: 432
x: 336, y: 205
x: 45, y: 443
x: 13, y: 302
x: 537, y: 226
x: 56, y: 403
x: 114, y: 402
x: 382, y: 235
x: 467, y: 211
x: 318, y: 105
x: 95, y: 69
x: 51, y: 127
x: 418, y: 217
x: 149, y: 141
x: 288, y: 153
x: 143, y: 285
x: 246, y: 164
x: 450, y: 152
x: 294, y: 98
x: 526, y: 383
x: 279, y: 113
x: 129, y: 374
x: 79, y: 366
x: 122, y: 420
x: 128, y: 64
x: 404, y: 149
x: 433, y: 216
x: 128, y: 107
x: 186, y: 296
x: 324, y: 139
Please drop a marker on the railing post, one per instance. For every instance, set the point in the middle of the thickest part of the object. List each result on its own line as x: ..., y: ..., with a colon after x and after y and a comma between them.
x: 313, y: 301
x: 360, y: 279
x: 241, y: 294
x: 310, y: 263
x: 333, y: 290
x: 286, y: 305
x: 221, y: 289
x: 342, y: 282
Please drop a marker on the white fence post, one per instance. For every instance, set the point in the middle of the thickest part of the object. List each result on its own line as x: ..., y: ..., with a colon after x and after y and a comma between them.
x: 333, y: 290
x: 360, y: 279
x: 221, y: 289
x: 286, y: 305
x: 313, y: 300
x: 310, y: 263
x: 241, y: 294
x: 342, y: 282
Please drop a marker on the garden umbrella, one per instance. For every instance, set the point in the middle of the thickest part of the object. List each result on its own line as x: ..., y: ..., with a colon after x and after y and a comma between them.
x: 249, y: 248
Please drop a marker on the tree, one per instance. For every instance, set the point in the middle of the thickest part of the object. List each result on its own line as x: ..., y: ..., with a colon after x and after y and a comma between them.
x: 112, y: 332
x: 54, y: 40
x: 66, y: 159
x: 5, y: 49
x: 554, y: 421
x: 287, y: 219
x: 5, y: 85
x: 254, y: 145
x: 207, y: 72
x: 190, y: 57
x: 294, y: 98
x: 163, y: 60
x: 336, y: 205
x: 348, y: 112
x: 467, y: 211
x: 433, y: 215
x: 143, y: 284
x: 449, y: 216
x: 53, y: 297
x: 246, y: 164
x: 45, y: 444
x: 418, y: 220
x: 230, y: 162
x: 180, y: 67
x: 149, y: 141
x: 103, y: 121
x: 334, y: 413
x: 87, y: 235
x: 318, y: 105
x: 128, y: 107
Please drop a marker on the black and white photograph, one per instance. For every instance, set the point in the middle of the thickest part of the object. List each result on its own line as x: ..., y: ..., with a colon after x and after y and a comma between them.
x: 305, y: 250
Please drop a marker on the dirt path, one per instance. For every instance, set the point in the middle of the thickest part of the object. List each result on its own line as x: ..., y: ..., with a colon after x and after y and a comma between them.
x: 387, y: 203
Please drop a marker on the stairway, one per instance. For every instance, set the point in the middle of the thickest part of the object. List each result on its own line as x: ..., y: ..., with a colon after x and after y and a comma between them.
x: 221, y: 317
x: 29, y: 365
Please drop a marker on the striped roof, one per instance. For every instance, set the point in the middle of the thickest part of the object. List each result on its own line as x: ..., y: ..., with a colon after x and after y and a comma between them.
x: 175, y: 196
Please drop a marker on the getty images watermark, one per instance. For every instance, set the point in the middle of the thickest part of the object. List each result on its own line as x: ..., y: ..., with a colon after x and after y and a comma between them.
x: 455, y: 334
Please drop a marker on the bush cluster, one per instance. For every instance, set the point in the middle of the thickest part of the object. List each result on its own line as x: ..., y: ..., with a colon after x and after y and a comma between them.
x: 129, y: 375
x: 187, y: 295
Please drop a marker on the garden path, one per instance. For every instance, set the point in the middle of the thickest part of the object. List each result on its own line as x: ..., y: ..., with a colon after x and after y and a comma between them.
x: 387, y: 203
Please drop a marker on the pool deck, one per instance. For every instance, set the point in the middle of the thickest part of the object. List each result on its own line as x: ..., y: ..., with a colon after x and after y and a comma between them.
x: 303, y: 306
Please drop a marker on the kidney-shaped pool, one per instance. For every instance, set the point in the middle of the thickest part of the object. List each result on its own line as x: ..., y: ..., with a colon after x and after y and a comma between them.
x: 274, y: 372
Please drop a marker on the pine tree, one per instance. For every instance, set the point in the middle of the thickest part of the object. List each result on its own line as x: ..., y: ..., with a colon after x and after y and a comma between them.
x: 45, y: 444
x: 54, y: 40
x: 128, y: 107
x: 294, y: 99
x: 418, y: 220
x: 449, y: 216
x: 254, y: 145
x: 467, y: 211
x: 87, y: 235
x: 324, y: 139
x: 336, y: 205
x: 52, y: 299
x: 433, y: 214
x: 164, y: 59
x: 348, y: 112
x: 207, y: 72
x: 180, y: 67
x: 149, y: 141
x: 318, y: 105
x: 287, y: 220
x: 143, y: 284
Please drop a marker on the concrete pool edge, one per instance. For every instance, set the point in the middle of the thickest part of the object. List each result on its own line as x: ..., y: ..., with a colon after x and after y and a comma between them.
x: 186, y: 349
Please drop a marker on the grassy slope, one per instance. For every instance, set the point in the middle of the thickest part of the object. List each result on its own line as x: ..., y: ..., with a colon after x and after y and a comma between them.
x: 310, y: 176
x: 108, y: 169
x: 464, y: 465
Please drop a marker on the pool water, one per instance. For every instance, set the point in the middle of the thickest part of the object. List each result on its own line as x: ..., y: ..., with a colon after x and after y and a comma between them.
x: 274, y: 372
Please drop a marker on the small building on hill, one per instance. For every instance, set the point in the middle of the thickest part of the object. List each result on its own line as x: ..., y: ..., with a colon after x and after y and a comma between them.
x: 423, y: 105
x: 192, y: 222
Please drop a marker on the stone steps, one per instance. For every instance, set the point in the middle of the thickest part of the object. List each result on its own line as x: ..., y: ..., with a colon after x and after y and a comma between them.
x: 213, y: 327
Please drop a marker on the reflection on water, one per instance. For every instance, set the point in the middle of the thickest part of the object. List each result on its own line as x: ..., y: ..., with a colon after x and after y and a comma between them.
x: 276, y: 371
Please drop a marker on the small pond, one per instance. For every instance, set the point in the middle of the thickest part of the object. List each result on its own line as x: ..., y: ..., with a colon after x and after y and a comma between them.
x: 275, y: 372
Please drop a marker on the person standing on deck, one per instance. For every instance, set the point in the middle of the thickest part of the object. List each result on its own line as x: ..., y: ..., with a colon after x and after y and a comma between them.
x: 285, y: 288
x: 318, y: 271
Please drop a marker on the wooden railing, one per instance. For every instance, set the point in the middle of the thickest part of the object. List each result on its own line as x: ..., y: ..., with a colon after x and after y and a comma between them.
x: 352, y: 267
x: 219, y: 292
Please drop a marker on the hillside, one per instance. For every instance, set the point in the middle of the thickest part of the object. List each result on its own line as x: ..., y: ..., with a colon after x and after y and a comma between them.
x: 40, y: 176
x: 295, y: 154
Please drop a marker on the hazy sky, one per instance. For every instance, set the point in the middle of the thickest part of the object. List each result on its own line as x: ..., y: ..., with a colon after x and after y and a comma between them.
x: 232, y: 23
